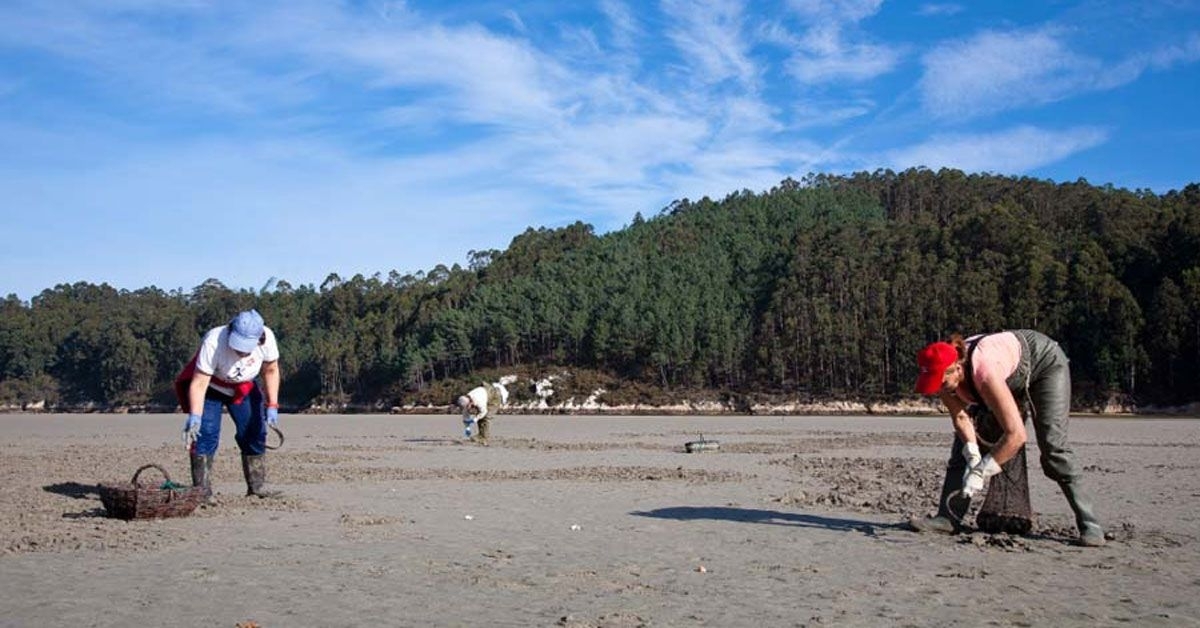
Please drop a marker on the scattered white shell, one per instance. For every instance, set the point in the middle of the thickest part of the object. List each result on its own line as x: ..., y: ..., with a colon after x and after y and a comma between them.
x: 469, y: 517
x: 702, y: 569
x: 576, y: 526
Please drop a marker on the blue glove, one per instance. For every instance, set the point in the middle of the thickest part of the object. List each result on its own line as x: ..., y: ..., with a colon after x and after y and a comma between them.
x: 191, y: 429
x: 272, y: 416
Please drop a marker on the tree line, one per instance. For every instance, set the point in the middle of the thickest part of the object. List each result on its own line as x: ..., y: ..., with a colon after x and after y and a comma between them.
x: 819, y: 288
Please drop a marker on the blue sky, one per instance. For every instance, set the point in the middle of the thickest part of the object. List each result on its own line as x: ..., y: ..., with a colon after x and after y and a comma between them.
x: 164, y: 142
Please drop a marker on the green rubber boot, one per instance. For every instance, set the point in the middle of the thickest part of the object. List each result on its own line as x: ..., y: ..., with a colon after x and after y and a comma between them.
x: 950, y: 509
x: 255, y: 470
x: 1091, y: 533
x: 202, y: 472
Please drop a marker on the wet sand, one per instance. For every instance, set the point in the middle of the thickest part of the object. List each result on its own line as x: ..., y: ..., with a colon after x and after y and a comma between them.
x: 587, y: 521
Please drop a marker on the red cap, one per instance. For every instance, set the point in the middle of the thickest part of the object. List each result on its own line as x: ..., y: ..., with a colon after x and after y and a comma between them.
x: 934, y: 359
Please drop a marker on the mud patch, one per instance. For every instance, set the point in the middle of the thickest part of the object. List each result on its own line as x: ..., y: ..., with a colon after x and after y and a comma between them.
x: 872, y: 485
x: 610, y: 620
x: 1151, y: 538
x: 368, y: 526
x: 1000, y: 540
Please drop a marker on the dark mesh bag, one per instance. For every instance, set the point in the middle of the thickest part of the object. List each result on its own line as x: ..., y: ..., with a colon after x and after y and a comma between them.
x: 1006, y: 507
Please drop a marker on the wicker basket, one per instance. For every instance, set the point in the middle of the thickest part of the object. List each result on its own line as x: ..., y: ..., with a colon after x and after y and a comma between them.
x: 133, y: 501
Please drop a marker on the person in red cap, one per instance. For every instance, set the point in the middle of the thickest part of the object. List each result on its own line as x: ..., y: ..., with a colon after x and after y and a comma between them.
x: 1018, y: 375
x: 222, y: 376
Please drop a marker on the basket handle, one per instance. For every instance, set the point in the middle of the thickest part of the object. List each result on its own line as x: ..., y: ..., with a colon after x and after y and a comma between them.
x: 147, y: 466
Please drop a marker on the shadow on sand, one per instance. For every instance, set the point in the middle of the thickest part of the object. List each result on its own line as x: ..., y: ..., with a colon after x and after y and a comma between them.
x: 74, y: 490
x: 772, y: 517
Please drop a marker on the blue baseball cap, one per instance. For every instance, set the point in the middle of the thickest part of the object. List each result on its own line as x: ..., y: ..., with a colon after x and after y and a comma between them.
x: 245, y: 330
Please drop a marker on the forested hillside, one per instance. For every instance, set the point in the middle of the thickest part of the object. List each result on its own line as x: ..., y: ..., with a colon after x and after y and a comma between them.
x: 823, y: 288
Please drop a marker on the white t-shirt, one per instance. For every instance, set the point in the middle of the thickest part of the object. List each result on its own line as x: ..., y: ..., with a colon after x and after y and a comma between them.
x: 216, y: 358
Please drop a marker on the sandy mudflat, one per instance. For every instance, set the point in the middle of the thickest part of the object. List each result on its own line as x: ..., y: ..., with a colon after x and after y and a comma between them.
x: 587, y: 521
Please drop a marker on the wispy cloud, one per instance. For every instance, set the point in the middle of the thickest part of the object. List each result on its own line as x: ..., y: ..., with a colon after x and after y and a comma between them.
x: 1016, y: 150
x: 831, y: 47
x: 824, y: 114
x: 1160, y: 59
x: 109, y: 46
x: 708, y: 33
x: 625, y: 28
x: 935, y: 9
x: 996, y: 71
x: 841, y: 10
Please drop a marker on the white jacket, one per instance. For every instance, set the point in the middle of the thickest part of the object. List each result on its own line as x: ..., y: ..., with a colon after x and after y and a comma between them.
x: 477, y: 399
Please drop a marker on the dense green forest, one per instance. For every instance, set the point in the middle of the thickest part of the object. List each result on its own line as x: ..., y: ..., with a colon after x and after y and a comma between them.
x: 817, y: 289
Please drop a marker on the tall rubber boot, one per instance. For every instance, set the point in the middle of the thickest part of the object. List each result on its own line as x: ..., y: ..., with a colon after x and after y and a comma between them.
x: 255, y: 470
x: 950, y: 509
x: 1091, y: 533
x: 202, y: 472
x: 485, y: 425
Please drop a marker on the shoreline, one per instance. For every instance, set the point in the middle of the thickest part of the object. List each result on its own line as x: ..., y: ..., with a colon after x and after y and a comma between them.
x: 916, y: 409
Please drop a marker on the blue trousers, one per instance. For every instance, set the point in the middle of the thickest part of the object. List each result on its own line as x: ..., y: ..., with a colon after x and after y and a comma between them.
x: 249, y: 419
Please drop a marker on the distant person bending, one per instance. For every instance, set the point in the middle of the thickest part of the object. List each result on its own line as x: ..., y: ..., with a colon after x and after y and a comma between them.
x: 220, y: 376
x: 476, y: 405
x: 1016, y: 374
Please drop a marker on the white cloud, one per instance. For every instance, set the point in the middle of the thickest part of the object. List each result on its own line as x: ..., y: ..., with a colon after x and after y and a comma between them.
x: 824, y: 58
x: 839, y: 10
x: 514, y: 18
x: 997, y: 71
x: 831, y: 48
x: 823, y: 114
x: 1161, y: 59
x: 625, y: 27
x: 105, y: 44
x: 994, y: 71
x: 935, y: 9
x: 1014, y: 151
x: 709, y: 34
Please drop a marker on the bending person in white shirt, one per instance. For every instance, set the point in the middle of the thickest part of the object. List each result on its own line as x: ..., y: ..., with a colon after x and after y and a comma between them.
x: 475, y: 408
x: 222, y: 376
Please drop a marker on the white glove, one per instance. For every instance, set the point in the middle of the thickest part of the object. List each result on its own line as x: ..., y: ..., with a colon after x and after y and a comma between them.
x: 978, y: 476
x: 191, y: 429
x: 970, y: 451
